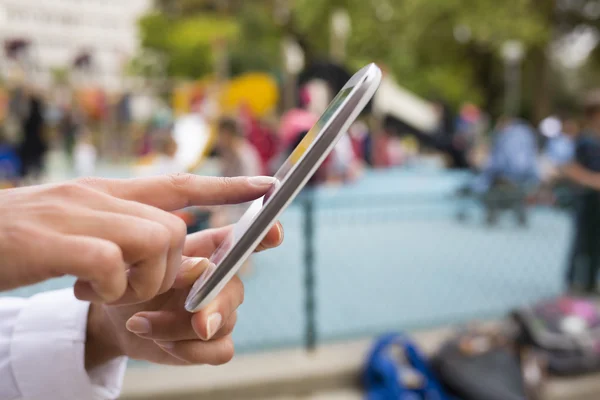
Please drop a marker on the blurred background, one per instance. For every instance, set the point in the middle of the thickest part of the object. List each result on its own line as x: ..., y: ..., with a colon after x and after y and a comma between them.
x: 442, y: 206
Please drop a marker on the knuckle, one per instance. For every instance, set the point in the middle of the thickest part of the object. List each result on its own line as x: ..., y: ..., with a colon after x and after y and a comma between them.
x: 109, y: 257
x: 226, y: 182
x: 225, y: 186
x: 158, y: 237
x: 178, y: 230
x: 53, y: 208
x: 71, y: 190
x: 180, y: 179
x: 89, y: 181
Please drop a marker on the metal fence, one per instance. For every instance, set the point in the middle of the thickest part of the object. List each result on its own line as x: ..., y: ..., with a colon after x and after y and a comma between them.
x: 353, y: 267
x: 392, y: 254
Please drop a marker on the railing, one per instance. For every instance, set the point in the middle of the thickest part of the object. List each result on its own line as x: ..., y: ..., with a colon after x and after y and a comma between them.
x: 391, y: 253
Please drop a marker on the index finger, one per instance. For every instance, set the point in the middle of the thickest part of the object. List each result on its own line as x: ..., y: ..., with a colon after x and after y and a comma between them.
x: 177, y: 191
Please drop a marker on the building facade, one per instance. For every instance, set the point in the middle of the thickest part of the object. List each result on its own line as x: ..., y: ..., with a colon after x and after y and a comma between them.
x: 57, y: 32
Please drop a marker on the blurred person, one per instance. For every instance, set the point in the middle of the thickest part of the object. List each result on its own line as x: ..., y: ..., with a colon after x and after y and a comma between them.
x: 237, y: 158
x: 261, y: 135
x: 10, y: 163
x: 510, y: 171
x: 321, y: 175
x: 448, y: 139
x: 345, y: 166
x: 34, y: 145
x: 68, y: 128
x: 584, y: 170
x: 360, y: 137
x: 559, y: 150
x: 342, y: 165
x: 166, y: 160
x: 296, y: 121
x: 84, y: 154
x: 134, y: 266
x: 469, y: 128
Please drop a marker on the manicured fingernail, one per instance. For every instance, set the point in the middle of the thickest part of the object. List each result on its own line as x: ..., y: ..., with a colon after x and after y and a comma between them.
x: 190, y: 266
x: 165, y: 345
x: 213, y: 325
x: 138, y: 325
x: 281, y: 234
x: 261, y: 181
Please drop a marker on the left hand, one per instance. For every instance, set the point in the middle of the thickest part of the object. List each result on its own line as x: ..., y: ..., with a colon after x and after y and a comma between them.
x: 161, y: 330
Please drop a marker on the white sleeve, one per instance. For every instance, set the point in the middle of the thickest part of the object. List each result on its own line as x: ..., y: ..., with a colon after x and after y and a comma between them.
x: 42, y: 346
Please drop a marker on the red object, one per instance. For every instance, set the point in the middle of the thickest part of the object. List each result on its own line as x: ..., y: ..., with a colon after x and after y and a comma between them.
x: 358, y: 147
x: 260, y: 136
x: 293, y: 122
x: 381, y: 156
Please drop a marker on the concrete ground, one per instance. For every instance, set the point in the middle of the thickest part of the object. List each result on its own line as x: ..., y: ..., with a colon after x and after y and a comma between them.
x: 330, y: 373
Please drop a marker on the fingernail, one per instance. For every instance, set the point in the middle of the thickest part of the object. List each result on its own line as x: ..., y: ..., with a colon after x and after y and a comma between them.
x: 165, y: 345
x: 191, y: 265
x: 261, y: 180
x: 281, y: 234
x: 138, y: 325
x: 213, y: 325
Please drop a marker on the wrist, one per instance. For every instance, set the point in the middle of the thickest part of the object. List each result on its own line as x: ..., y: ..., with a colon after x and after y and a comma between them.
x: 101, y: 344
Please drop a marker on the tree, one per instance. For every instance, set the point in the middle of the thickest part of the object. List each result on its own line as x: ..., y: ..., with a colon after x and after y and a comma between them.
x: 437, y: 48
x: 185, y: 43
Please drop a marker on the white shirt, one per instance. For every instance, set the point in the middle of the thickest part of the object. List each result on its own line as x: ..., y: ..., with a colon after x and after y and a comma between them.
x: 42, y: 345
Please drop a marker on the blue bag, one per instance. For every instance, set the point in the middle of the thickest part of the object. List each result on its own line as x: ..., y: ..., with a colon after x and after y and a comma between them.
x: 393, y: 356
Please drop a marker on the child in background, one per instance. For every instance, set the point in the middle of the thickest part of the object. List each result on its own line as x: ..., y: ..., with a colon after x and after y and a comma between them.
x: 238, y: 158
x: 84, y: 154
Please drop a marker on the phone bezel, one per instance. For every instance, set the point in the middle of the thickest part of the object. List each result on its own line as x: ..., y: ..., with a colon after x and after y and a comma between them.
x: 364, y: 85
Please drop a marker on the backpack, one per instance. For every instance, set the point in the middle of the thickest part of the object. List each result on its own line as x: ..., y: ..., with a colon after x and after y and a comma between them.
x: 487, y: 364
x: 566, y: 330
x: 397, y: 370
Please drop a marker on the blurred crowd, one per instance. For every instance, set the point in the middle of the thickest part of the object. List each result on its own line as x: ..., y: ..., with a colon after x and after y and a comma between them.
x: 512, y: 151
x: 513, y: 162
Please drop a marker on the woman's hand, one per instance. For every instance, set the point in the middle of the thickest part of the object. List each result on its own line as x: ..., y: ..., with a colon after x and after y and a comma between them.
x: 116, y: 236
x: 161, y: 330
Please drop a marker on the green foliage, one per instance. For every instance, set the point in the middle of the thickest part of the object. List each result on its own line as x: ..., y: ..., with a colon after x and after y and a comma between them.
x: 185, y: 42
x: 415, y: 39
x: 60, y: 76
x: 258, y: 45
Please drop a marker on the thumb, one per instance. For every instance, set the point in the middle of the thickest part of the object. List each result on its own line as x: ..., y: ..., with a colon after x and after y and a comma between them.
x: 190, y: 270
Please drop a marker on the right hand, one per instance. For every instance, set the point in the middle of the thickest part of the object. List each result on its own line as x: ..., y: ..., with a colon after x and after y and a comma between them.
x: 116, y: 236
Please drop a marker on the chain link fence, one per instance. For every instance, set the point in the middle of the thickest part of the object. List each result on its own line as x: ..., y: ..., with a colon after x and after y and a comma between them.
x: 373, y: 264
x: 394, y: 253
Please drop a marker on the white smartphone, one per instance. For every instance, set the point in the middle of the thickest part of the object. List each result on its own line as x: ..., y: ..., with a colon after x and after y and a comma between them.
x: 295, y: 172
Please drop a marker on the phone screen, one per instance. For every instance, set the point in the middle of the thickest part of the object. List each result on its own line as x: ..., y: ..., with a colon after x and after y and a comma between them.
x: 281, y: 176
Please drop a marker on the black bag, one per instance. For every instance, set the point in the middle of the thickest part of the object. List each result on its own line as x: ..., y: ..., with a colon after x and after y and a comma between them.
x: 567, y: 330
x: 484, y: 364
